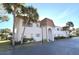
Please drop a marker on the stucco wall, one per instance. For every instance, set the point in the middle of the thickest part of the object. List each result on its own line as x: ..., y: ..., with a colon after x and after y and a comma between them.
x: 33, y: 32
x: 36, y: 32
x: 60, y: 32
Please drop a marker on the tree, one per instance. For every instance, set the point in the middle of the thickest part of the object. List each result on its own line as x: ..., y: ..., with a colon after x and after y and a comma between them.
x: 77, y: 31
x: 0, y: 19
x: 32, y: 16
x: 4, y: 33
x: 69, y: 25
x: 13, y: 8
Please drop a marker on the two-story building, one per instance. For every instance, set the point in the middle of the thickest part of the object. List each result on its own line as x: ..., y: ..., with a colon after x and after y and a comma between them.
x: 40, y: 30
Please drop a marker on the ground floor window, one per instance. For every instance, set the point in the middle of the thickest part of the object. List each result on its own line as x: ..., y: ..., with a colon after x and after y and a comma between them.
x: 37, y: 35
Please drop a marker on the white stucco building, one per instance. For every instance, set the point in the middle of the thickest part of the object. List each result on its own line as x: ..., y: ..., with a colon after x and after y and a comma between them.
x: 40, y: 30
x: 58, y: 31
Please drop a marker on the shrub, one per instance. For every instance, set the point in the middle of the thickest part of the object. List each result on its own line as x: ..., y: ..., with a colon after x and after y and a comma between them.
x: 72, y: 36
x: 60, y: 37
x: 44, y: 41
x: 9, y: 38
x: 27, y: 39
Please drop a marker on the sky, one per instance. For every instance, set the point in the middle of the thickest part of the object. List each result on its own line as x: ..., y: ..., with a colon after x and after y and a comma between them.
x: 60, y: 13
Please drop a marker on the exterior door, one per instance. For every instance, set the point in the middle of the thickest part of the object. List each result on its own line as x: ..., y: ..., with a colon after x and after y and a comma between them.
x: 49, y: 34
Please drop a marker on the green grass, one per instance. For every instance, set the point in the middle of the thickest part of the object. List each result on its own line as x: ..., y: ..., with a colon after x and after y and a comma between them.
x: 5, y: 45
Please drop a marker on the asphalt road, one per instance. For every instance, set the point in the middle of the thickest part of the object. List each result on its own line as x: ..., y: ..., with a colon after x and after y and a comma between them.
x: 58, y: 47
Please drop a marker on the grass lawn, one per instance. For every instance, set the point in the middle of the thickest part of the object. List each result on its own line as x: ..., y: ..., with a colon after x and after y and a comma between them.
x: 5, y: 45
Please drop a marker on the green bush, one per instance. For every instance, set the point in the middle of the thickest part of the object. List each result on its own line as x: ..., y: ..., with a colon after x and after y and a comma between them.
x: 9, y: 38
x: 70, y: 36
x: 44, y: 41
x: 60, y: 37
x: 27, y: 39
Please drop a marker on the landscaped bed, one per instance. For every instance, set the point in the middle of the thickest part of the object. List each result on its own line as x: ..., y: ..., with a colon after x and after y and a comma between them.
x: 62, y: 37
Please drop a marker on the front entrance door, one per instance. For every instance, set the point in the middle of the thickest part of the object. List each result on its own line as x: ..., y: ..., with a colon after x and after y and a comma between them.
x: 49, y: 34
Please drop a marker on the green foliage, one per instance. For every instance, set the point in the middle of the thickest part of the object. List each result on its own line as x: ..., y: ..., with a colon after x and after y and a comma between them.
x: 77, y: 31
x: 70, y: 36
x: 7, y: 7
x: 5, y: 46
x: 32, y: 14
x: 4, y: 33
x: 70, y: 24
x: 44, y: 41
x: 0, y: 17
x: 11, y: 7
x: 60, y: 37
x: 27, y: 39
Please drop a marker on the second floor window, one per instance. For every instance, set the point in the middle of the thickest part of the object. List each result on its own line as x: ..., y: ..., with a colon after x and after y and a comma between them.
x: 57, y: 29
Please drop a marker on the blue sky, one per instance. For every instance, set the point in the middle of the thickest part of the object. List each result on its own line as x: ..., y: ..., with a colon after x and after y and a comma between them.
x: 7, y: 24
x: 59, y: 13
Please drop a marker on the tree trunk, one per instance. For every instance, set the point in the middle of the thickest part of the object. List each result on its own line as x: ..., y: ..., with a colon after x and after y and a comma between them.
x: 13, y: 38
x: 23, y: 32
x: 22, y: 35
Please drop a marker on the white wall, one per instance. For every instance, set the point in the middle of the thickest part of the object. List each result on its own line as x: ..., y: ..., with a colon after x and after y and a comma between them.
x: 30, y: 32
x: 60, y: 32
x: 44, y: 34
x: 33, y: 32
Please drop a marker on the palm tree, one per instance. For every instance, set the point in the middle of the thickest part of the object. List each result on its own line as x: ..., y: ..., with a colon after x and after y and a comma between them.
x: 32, y: 16
x: 12, y: 8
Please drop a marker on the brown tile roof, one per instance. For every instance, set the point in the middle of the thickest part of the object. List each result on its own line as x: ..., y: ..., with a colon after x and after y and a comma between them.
x: 47, y: 21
